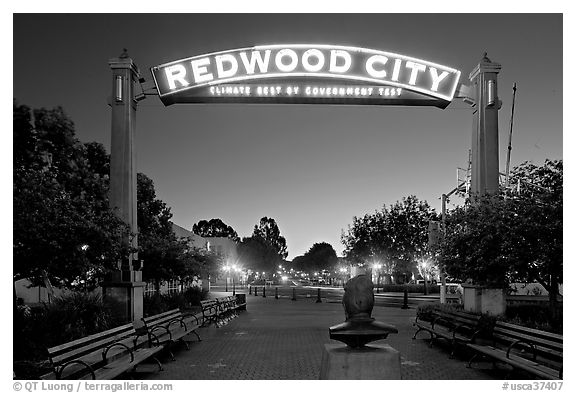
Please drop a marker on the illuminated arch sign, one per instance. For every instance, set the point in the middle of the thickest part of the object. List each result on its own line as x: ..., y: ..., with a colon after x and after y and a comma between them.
x: 306, y: 74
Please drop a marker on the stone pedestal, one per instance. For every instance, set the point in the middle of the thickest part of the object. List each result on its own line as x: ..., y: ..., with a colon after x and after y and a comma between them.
x: 484, y: 300
x: 373, y: 361
x: 125, y: 297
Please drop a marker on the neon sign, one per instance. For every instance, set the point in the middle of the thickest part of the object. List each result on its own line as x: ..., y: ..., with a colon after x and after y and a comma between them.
x: 306, y: 74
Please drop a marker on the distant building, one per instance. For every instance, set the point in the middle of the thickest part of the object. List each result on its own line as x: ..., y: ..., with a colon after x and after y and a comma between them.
x: 195, y: 240
x: 224, y: 247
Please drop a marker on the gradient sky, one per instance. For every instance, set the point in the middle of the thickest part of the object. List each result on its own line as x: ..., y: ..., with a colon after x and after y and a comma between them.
x: 311, y: 168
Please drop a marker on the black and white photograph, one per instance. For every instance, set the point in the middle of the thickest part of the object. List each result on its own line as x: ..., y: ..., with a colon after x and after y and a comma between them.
x: 249, y: 194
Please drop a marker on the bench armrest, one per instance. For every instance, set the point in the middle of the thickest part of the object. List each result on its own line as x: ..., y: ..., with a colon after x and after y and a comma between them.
x: 150, y: 341
x: 105, y: 351
x: 143, y: 334
x: 181, y: 320
x: 521, y: 342
x: 463, y: 327
x: 195, y: 317
x: 161, y: 327
x: 448, y: 323
x: 61, y: 369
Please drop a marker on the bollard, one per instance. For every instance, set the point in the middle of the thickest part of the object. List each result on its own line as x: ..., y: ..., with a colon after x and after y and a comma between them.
x: 255, y: 291
x: 293, y: 293
x: 405, y: 305
x: 318, y: 300
x: 276, y: 295
x: 264, y: 291
x: 250, y: 290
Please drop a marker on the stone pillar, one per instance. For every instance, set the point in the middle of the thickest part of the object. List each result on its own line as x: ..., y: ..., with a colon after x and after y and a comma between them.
x: 373, y: 361
x: 124, y: 288
x: 485, y: 165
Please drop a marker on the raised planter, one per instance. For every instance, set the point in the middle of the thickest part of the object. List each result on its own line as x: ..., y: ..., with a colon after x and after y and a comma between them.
x: 484, y: 300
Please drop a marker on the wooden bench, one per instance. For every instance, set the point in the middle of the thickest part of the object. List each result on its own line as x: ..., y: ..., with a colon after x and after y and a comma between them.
x: 103, y: 355
x: 221, y: 310
x: 166, y: 328
x: 211, y: 312
x: 229, y: 307
x: 534, y: 351
x: 457, y: 327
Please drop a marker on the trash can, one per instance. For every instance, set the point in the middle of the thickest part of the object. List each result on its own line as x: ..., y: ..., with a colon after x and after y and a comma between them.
x: 241, y: 301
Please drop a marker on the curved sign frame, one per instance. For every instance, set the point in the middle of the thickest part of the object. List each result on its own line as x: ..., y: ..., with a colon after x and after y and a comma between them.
x: 306, y: 73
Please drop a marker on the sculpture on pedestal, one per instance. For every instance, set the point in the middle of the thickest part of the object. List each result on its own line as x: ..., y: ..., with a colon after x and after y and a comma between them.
x: 360, y: 328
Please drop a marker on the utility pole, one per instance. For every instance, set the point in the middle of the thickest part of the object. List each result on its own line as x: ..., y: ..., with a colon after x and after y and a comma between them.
x: 507, y: 183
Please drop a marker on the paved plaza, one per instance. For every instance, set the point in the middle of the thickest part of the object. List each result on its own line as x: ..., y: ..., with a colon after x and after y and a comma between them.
x: 284, y: 339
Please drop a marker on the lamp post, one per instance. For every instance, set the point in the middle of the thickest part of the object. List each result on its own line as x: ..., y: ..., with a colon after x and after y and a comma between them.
x: 377, y: 267
x: 227, y: 270
x: 424, y: 267
x: 343, y: 272
x: 235, y: 270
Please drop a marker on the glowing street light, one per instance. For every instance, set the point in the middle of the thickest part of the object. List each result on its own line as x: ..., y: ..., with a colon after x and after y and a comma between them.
x: 377, y: 267
x: 227, y: 270
x: 423, y: 270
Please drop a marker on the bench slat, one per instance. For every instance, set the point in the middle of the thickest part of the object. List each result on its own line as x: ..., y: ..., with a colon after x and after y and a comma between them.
x: 117, y: 331
x: 79, y: 351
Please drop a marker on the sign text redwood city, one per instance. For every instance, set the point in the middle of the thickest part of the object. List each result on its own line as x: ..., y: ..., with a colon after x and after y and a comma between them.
x: 188, y: 80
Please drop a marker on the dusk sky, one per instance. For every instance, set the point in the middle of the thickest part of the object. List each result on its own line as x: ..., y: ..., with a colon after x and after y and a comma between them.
x: 310, y: 167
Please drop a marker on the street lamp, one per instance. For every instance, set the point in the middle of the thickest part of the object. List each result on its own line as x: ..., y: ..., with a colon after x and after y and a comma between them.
x: 227, y: 270
x: 424, y: 267
x: 377, y: 267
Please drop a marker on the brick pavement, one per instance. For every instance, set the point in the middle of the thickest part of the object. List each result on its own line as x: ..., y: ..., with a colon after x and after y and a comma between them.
x: 284, y: 339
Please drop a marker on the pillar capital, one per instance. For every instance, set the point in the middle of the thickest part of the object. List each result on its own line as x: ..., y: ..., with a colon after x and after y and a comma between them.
x: 124, y: 61
x: 486, y: 65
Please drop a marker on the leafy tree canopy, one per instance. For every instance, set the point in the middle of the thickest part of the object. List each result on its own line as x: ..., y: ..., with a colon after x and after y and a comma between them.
x: 321, y: 256
x: 268, y: 230
x: 512, y: 236
x: 62, y: 223
x: 215, y: 228
x: 396, y: 236
x: 258, y: 255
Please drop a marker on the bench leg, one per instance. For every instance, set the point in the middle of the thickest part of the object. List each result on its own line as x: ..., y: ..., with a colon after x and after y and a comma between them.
x: 419, y: 330
x: 451, y: 356
x: 415, y: 334
x: 197, y: 336
x: 471, y: 360
x: 185, y: 344
x: 160, y: 368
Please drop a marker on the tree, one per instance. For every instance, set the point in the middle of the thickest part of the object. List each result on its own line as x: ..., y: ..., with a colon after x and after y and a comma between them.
x: 215, y: 228
x: 321, y: 256
x: 396, y: 236
x: 268, y: 231
x: 163, y: 254
x: 62, y: 223
x: 512, y: 236
x: 258, y: 255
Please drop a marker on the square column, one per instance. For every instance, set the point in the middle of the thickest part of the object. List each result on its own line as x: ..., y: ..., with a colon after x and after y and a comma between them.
x: 485, y: 160
x: 124, y: 289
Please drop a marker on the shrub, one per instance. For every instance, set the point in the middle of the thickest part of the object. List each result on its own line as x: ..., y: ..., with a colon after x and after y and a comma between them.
x: 68, y: 318
x: 536, y: 316
x: 194, y: 295
x: 412, y: 288
x: 159, y: 303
